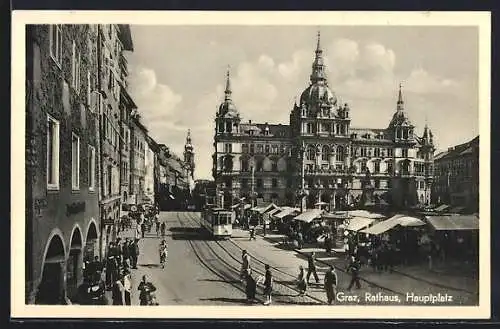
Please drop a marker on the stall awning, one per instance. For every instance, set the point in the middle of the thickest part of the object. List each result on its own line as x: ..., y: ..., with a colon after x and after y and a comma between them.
x: 454, y: 223
x: 247, y: 206
x: 358, y: 223
x: 365, y: 214
x: 264, y: 209
x: 442, y: 207
x: 234, y: 206
x: 392, y: 222
x: 286, y: 212
x: 309, y: 215
x: 274, y: 211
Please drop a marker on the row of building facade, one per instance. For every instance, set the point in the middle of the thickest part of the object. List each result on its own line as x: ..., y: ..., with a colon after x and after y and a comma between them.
x: 319, y: 158
x: 87, y: 152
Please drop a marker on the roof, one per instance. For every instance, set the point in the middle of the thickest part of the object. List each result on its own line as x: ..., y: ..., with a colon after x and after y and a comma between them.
x: 365, y: 214
x: 125, y: 36
x: 358, y: 223
x: 264, y: 209
x: 454, y: 222
x: 174, y: 164
x: 137, y: 121
x: 275, y: 130
x: 286, y: 211
x: 458, y: 150
x: 392, y: 222
x: 309, y: 215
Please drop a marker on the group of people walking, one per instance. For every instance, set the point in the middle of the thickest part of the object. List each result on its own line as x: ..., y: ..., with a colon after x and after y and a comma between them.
x: 251, y: 282
x: 330, y: 280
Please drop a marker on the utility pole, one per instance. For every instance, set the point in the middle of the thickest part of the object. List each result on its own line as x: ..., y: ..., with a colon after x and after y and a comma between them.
x: 253, y: 186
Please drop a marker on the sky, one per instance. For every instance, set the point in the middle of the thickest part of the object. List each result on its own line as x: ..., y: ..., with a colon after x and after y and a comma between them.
x: 177, y: 77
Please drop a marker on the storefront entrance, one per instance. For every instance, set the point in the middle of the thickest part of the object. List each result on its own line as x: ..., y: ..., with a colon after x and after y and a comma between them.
x: 51, y: 287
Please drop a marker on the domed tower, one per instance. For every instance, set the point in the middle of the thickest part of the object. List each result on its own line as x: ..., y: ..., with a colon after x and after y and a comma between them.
x: 189, y: 155
x: 226, y: 146
x: 400, y: 127
x: 320, y: 128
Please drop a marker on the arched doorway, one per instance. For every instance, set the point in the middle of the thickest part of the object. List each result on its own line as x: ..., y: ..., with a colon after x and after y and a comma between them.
x: 91, y: 242
x: 74, y: 262
x: 51, y: 287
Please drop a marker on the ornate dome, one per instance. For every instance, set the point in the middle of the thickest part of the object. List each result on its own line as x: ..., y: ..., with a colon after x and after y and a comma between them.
x: 227, y: 108
x: 318, y: 93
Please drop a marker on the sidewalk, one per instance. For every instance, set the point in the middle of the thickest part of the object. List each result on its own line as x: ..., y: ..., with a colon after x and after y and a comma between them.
x: 407, y: 279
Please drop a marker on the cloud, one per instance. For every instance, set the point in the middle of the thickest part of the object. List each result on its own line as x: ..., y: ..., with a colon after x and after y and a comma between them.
x: 155, y: 101
x: 422, y: 82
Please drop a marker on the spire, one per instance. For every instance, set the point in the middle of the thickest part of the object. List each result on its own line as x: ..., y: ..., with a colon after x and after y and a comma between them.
x: 188, y: 137
x: 318, y: 67
x: 400, y: 99
x: 228, y: 91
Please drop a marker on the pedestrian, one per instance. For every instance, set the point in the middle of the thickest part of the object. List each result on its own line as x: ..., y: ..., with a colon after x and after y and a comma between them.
x: 268, y: 285
x: 301, y: 281
x: 126, y: 253
x: 245, y: 265
x: 311, y: 267
x: 250, y: 287
x: 353, y: 268
x: 328, y: 243
x: 252, y: 234
x: 157, y: 222
x: 127, y: 286
x: 163, y: 228
x: 146, y: 289
x: 331, y: 284
x: 300, y: 240
x: 135, y: 253
x: 118, y: 292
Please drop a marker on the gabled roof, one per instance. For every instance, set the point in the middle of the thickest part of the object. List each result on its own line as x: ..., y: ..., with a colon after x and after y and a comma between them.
x: 458, y: 150
x: 259, y: 129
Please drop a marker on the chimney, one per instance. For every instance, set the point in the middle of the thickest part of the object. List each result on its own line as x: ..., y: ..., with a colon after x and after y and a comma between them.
x: 250, y: 121
x: 450, y: 149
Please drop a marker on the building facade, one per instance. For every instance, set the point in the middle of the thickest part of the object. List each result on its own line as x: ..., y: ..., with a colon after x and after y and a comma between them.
x: 113, y: 41
x: 62, y: 222
x: 138, y: 135
x: 456, y: 176
x: 149, y: 163
x: 319, y: 157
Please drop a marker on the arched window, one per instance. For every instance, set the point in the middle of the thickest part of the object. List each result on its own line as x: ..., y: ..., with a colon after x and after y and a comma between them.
x: 340, y: 154
x: 311, y: 153
x: 244, y: 165
x: 325, y: 153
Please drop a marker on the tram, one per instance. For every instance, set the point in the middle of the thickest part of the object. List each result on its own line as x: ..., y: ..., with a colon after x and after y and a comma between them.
x: 217, y: 221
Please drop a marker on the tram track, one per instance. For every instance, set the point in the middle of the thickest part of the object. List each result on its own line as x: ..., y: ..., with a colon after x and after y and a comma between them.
x: 418, y: 280
x: 280, y: 287
x: 279, y: 282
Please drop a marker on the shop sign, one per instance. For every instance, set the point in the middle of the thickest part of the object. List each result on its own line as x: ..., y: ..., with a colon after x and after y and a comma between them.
x: 75, y: 208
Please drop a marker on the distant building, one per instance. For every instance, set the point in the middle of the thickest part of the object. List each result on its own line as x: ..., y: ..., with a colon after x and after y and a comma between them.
x: 456, y: 176
x: 319, y: 157
x: 189, y: 164
x: 62, y: 211
x: 138, y: 147
x: 150, y: 165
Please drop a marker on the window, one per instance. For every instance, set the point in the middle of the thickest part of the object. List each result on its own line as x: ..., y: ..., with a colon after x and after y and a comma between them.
x: 404, y: 153
x: 324, y: 153
x: 363, y: 166
x: 274, y: 183
x: 340, y: 154
x: 252, y: 148
x: 91, y: 169
x: 275, y: 149
x: 244, y: 148
x: 55, y: 39
x: 282, y: 149
x: 363, y: 151
x: 75, y: 66
x: 109, y: 182
x: 52, y: 153
x: 89, y: 91
x: 274, y: 166
x: 259, y: 148
x: 377, y: 166
x: 267, y: 147
x: 390, y: 152
x: 309, y: 129
x: 244, y: 183
x: 228, y: 148
x: 259, y: 183
x: 244, y: 165
x: 377, y: 152
x: 259, y: 165
x: 377, y: 183
x: 389, y: 167
x: 311, y: 153
x: 75, y: 162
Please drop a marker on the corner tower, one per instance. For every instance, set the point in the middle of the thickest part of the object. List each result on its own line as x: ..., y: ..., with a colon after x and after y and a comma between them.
x: 189, y: 155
